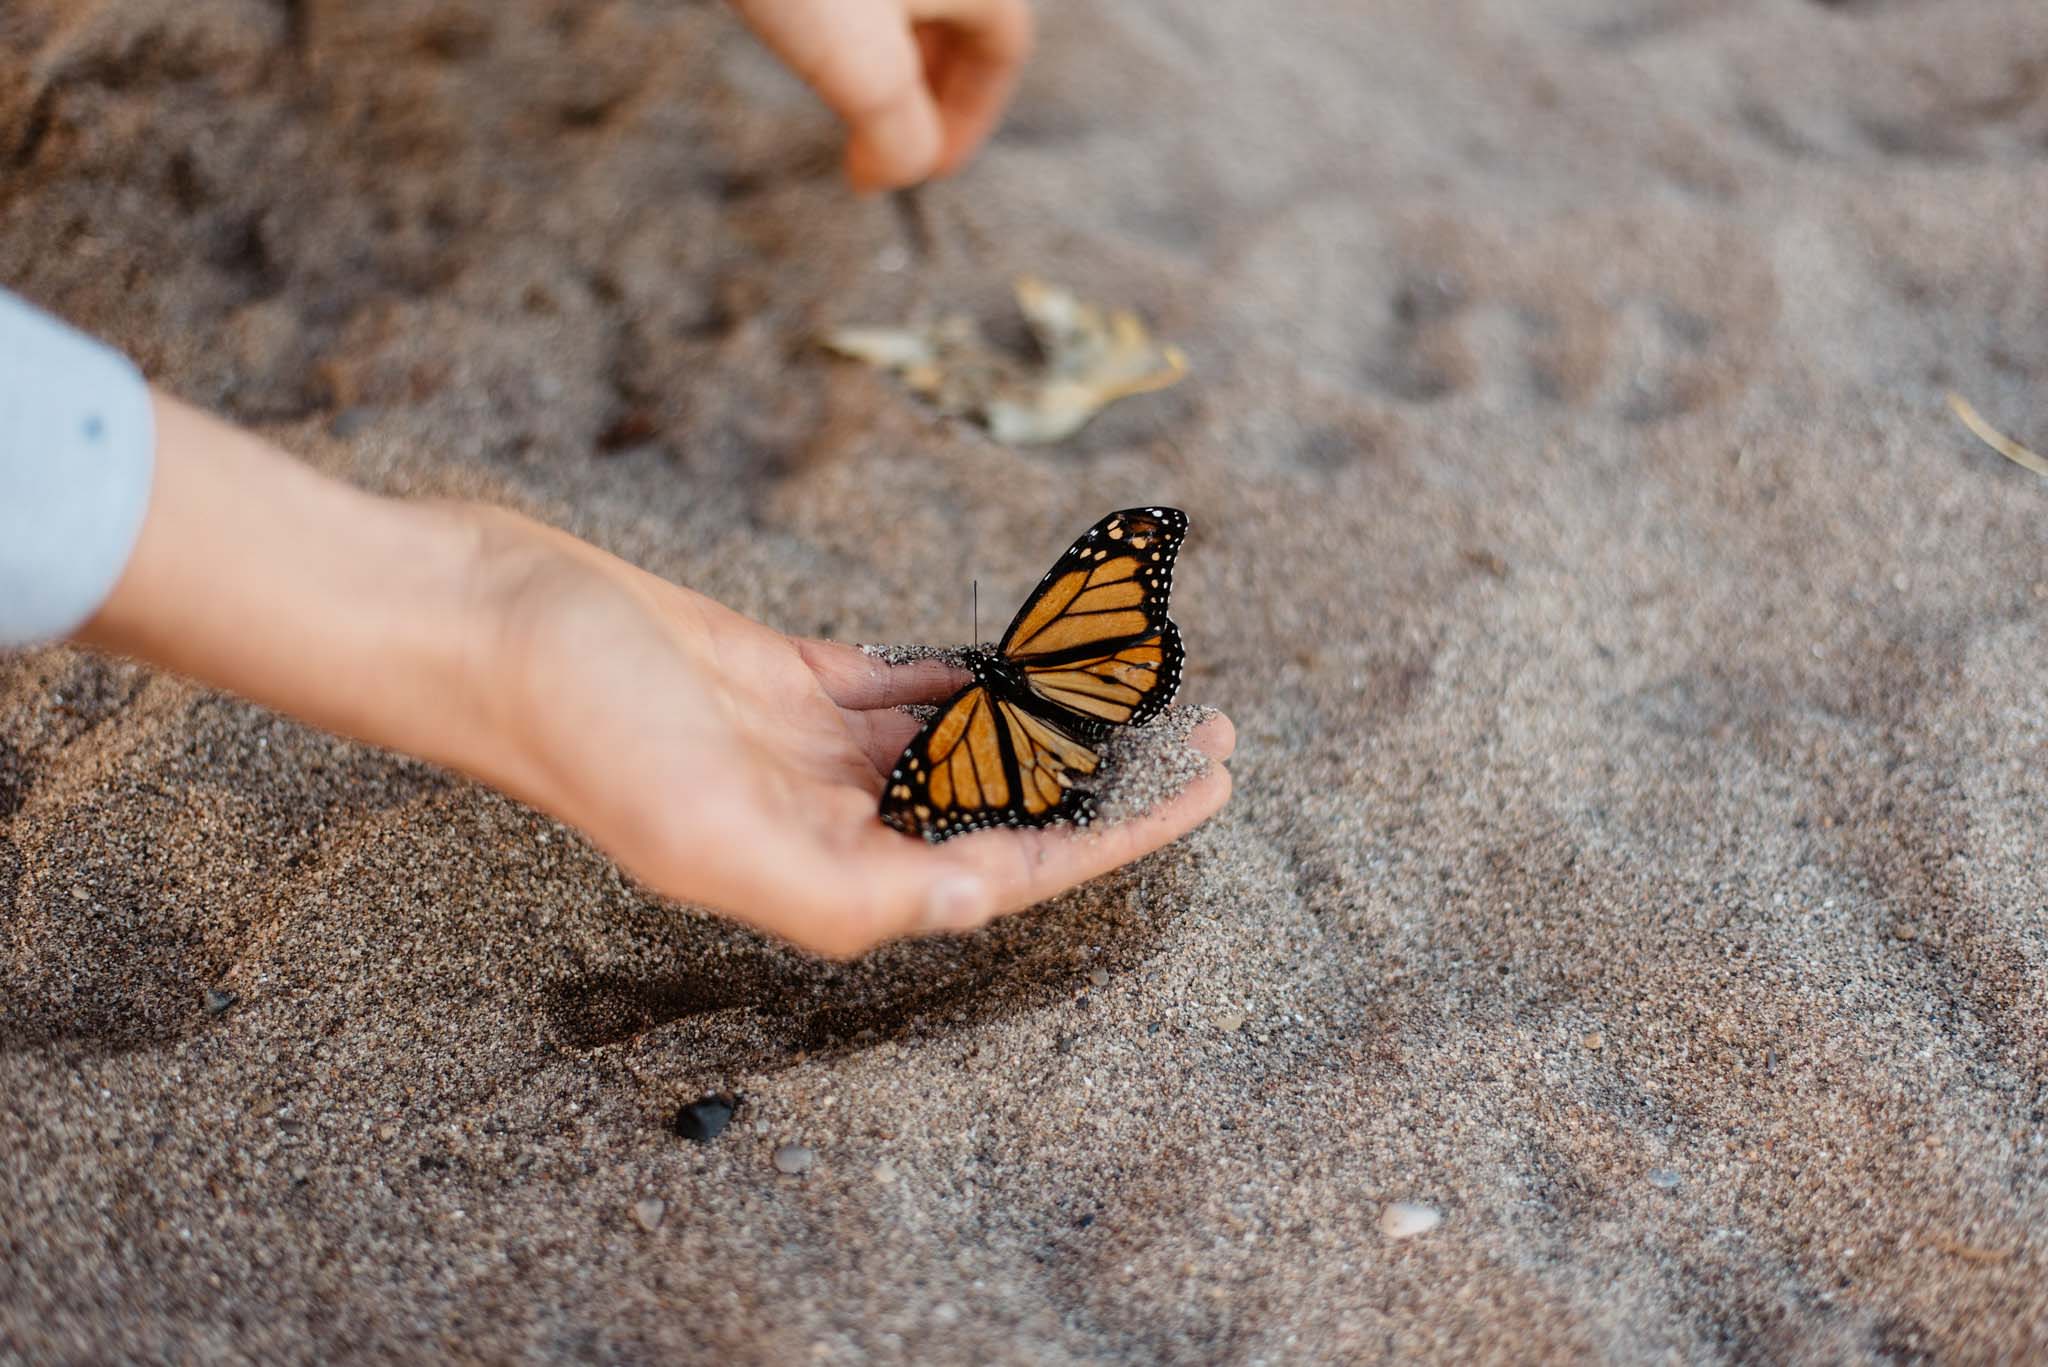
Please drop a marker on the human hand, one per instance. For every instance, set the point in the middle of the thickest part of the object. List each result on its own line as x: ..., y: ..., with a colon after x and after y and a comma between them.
x: 919, y: 83
x: 726, y: 764
x: 720, y: 761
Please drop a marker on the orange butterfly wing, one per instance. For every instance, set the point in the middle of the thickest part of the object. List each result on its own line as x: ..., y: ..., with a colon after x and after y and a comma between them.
x: 1094, y: 638
x: 1091, y: 648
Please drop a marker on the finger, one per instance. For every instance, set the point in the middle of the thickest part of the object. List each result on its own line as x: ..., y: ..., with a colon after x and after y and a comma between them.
x: 853, y: 678
x: 1214, y: 736
x: 972, y: 67
x: 897, y: 144
x: 878, y: 885
x: 1024, y: 867
x: 964, y: 883
x: 861, y: 884
x: 860, y: 57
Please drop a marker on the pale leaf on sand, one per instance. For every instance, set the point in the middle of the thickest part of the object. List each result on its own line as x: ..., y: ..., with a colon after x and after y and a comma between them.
x: 1090, y: 356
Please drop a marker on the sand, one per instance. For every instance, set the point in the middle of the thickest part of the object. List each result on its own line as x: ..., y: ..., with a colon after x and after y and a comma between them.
x: 1637, y: 672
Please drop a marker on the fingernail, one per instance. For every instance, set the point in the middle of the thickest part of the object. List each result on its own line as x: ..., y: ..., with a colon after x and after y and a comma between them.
x: 956, y: 904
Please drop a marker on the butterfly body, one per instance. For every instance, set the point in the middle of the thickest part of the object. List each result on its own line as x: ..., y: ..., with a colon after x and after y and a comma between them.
x: 1091, y: 649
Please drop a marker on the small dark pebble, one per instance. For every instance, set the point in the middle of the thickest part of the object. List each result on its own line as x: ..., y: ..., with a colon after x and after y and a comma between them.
x: 218, y: 1001
x: 705, y: 1119
x: 1084, y: 1222
x: 635, y: 427
x: 1064, y: 1044
x: 350, y: 421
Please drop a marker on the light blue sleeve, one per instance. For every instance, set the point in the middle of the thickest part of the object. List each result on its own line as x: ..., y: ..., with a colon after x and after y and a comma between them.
x: 77, y: 450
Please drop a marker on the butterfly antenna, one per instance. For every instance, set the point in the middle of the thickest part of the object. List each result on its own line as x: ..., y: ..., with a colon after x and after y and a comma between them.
x: 974, y: 587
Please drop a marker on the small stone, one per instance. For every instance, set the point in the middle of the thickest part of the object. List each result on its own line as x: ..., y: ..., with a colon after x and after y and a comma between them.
x: 648, y: 1212
x: 794, y: 1159
x: 1904, y: 931
x: 885, y: 1173
x: 1098, y: 977
x: 635, y: 427
x: 704, y: 1119
x: 218, y: 1001
x: 1405, y: 1220
x: 1230, y: 1021
x: 1593, y: 1039
x: 1664, y: 1179
x: 350, y: 421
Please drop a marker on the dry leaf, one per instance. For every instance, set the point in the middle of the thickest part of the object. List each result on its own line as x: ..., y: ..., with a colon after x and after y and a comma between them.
x: 1090, y: 357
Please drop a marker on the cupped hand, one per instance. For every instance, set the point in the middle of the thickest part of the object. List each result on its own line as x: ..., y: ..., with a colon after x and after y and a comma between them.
x: 726, y: 764
x: 919, y: 83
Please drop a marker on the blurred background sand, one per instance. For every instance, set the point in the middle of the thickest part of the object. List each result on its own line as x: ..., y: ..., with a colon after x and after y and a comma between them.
x: 1637, y: 669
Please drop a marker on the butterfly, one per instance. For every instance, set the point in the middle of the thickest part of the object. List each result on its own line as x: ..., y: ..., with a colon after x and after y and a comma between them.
x: 1091, y: 649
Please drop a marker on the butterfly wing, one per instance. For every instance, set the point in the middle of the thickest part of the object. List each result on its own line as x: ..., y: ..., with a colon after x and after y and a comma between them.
x: 985, y: 761
x: 1093, y: 639
x: 1092, y: 647
x: 1124, y: 683
x: 1048, y: 759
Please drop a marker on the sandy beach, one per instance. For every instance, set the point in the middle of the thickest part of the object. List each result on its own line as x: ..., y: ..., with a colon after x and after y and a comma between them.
x: 1637, y: 672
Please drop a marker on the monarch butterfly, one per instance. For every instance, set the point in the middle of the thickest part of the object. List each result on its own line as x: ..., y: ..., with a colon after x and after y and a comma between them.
x: 1091, y: 648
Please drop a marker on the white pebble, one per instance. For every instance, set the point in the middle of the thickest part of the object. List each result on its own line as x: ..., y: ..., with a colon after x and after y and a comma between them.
x: 794, y: 1159
x: 1664, y: 1179
x: 649, y: 1211
x: 1405, y: 1220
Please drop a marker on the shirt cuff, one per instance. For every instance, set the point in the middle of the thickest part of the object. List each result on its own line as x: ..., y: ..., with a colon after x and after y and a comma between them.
x: 77, y: 454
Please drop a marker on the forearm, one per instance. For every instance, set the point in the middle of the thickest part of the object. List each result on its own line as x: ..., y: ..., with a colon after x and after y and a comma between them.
x: 258, y: 575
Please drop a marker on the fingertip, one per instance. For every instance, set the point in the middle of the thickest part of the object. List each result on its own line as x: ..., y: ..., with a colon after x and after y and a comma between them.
x: 1212, y: 790
x: 926, y: 680
x: 1215, y: 736
x: 898, y: 145
x: 855, y: 679
x: 1194, y: 804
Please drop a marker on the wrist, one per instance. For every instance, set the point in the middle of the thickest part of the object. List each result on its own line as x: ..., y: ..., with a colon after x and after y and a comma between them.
x: 258, y: 575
